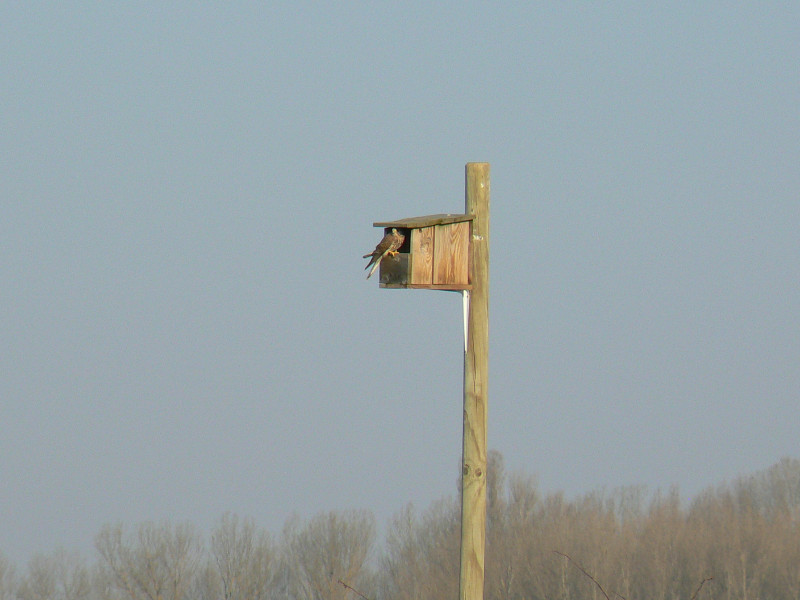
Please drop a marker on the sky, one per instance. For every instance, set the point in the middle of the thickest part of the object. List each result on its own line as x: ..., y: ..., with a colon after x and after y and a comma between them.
x: 187, y: 190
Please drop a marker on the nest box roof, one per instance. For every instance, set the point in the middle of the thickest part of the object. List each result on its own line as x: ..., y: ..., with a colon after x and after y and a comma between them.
x: 426, y: 221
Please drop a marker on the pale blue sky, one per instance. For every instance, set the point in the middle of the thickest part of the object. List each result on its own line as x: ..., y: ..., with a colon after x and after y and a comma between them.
x: 187, y: 190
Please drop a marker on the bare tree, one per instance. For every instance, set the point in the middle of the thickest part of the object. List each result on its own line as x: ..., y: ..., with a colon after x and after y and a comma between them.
x: 244, y: 557
x: 495, y: 489
x: 510, y: 541
x: 422, y: 554
x: 332, y: 546
x: 59, y: 576
x: 207, y: 583
x: 158, y: 563
x: 8, y: 579
x: 658, y: 550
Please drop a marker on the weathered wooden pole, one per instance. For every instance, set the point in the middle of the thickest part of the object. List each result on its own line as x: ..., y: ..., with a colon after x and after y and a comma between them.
x: 476, y: 379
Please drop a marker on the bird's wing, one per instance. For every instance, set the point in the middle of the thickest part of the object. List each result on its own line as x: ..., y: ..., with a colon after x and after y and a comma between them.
x: 385, y: 244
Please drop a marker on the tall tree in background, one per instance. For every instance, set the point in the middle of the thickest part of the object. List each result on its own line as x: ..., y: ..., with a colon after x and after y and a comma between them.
x: 8, y: 579
x: 159, y: 563
x: 58, y: 576
x: 421, y: 559
x: 332, y: 547
x: 245, y: 558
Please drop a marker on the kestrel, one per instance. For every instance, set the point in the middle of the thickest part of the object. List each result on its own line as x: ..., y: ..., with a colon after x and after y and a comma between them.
x: 390, y: 243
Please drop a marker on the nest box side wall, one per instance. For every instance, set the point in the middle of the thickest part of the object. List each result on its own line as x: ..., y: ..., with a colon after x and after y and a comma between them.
x: 451, y: 254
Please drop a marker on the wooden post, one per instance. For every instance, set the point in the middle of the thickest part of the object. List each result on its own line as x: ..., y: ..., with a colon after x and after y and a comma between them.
x: 476, y: 376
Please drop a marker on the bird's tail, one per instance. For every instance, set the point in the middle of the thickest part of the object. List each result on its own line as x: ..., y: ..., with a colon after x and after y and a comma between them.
x: 375, y: 266
x: 366, y: 255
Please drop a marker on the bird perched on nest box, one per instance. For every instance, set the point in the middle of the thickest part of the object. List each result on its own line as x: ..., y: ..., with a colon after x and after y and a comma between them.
x: 390, y: 243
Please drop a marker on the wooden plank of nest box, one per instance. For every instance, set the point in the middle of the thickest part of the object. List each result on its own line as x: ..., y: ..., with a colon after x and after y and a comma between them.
x: 426, y: 221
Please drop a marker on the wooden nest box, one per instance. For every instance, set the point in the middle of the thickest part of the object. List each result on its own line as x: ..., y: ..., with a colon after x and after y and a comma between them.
x: 435, y: 254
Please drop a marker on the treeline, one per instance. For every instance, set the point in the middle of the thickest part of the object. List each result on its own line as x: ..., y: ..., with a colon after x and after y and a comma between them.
x: 735, y: 541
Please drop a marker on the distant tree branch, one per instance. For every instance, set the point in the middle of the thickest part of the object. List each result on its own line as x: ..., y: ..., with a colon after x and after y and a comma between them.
x: 355, y: 591
x: 582, y: 570
x: 600, y: 587
x: 697, y: 591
